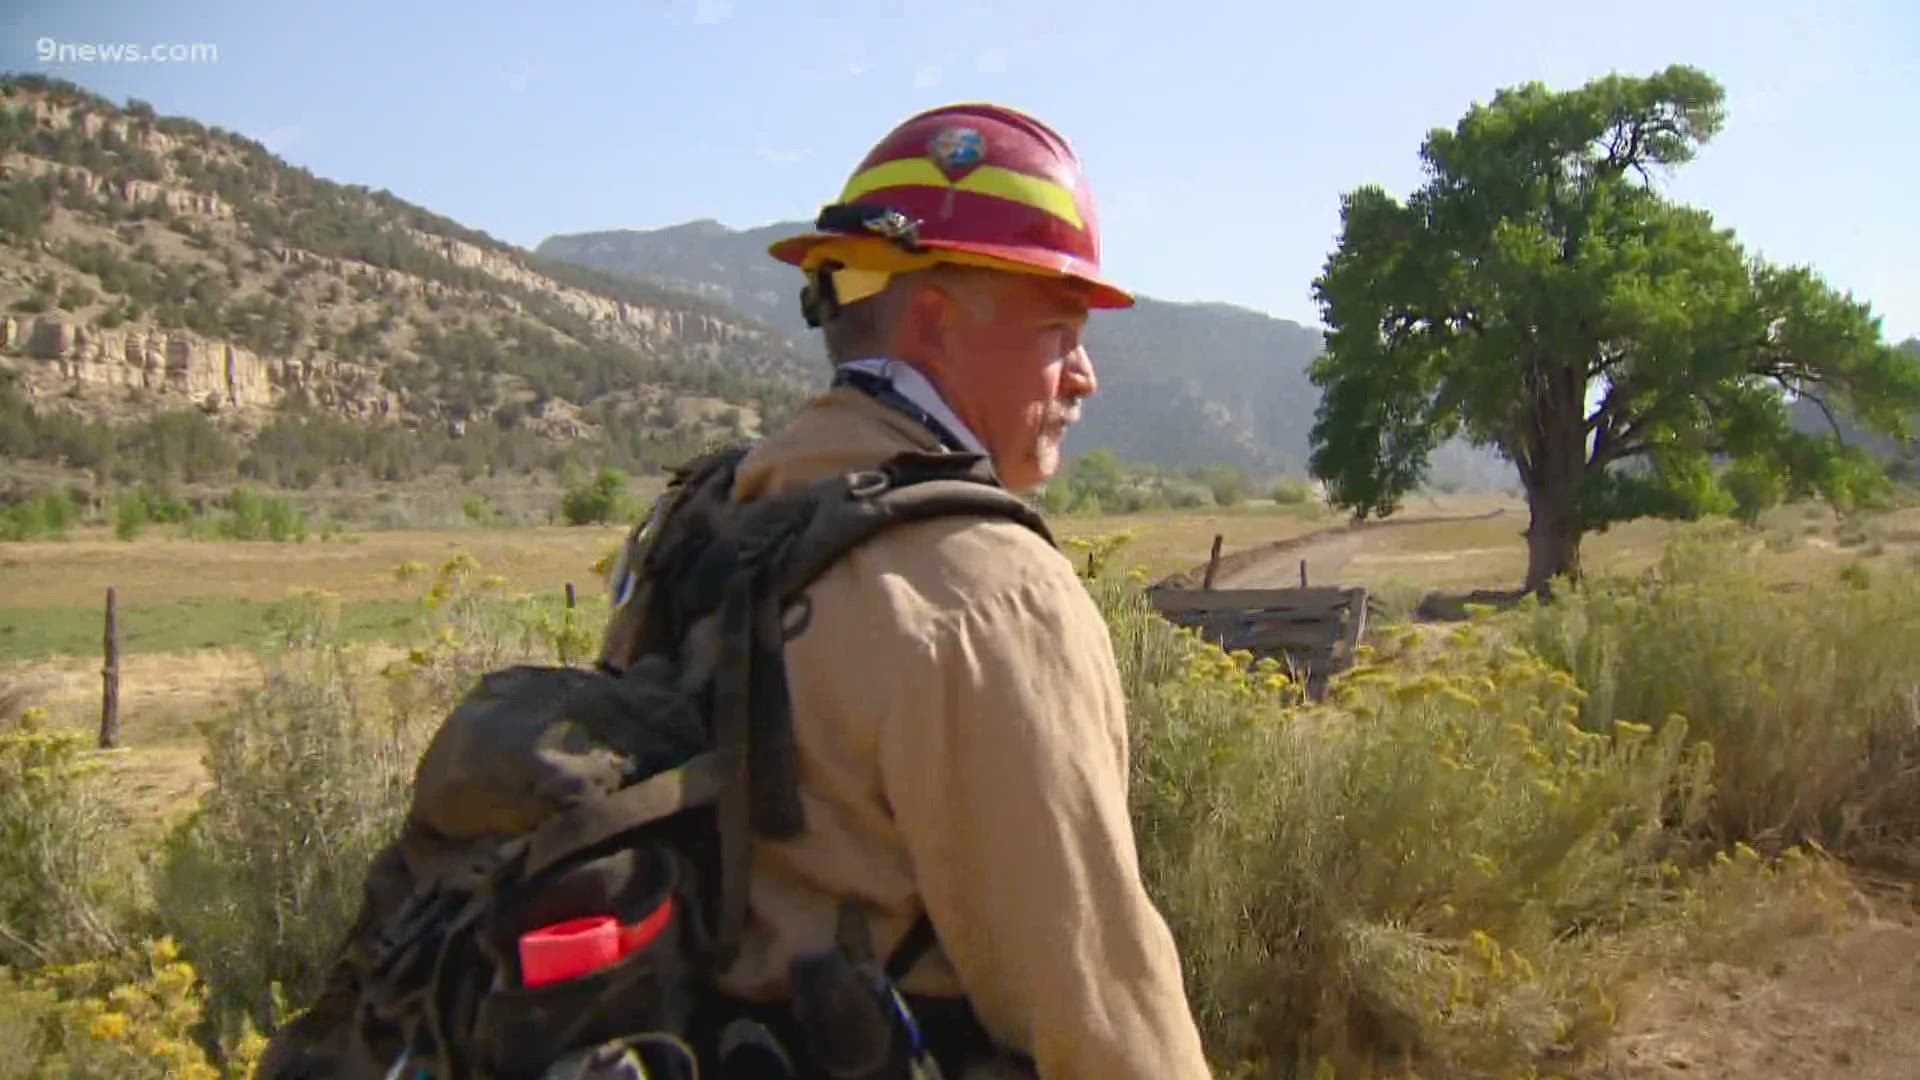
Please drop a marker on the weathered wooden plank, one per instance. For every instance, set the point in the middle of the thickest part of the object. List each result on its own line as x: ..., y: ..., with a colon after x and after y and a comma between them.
x: 1323, y: 634
x: 1325, y: 598
x: 1263, y: 618
x: 1330, y: 629
x: 1293, y: 637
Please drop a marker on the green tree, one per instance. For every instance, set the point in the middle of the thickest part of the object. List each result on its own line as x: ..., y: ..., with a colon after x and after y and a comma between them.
x: 1539, y: 296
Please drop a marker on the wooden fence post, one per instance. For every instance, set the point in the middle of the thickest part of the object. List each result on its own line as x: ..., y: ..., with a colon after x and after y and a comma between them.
x: 569, y: 596
x: 1303, y: 573
x: 110, y: 677
x: 1213, y: 561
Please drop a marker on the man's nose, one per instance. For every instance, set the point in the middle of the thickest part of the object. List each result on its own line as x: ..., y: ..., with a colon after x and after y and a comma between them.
x: 1080, y: 379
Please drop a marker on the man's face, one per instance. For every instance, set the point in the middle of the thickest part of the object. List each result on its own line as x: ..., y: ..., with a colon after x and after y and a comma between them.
x: 1010, y: 363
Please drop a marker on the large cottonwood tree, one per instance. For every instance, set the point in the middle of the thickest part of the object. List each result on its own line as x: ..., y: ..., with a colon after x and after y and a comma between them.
x: 1539, y: 295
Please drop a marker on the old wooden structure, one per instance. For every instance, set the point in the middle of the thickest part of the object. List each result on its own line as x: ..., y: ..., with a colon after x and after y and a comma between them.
x: 1313, y: 631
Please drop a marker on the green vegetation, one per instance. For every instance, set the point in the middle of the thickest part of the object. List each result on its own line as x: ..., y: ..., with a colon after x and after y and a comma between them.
x: 1806, y: 696
x: 1289, y: 492
x: 134, y: 510
x: 244, y: 514
x: 1099, y: 482
x: 47, y: 517
x: 1540, y: 256
x: 600, y: 500
x: 252, y: 516
x: 311, y: 777
x: 1451, y: 866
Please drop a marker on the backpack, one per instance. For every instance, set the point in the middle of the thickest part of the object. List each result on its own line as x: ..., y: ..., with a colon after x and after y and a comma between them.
x: 562, y: 813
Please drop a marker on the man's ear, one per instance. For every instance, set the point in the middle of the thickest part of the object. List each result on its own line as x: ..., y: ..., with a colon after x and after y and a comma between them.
x: 925, y: 325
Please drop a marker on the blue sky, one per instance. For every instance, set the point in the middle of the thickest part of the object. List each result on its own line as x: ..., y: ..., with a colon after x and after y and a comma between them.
x: 1218, y: 136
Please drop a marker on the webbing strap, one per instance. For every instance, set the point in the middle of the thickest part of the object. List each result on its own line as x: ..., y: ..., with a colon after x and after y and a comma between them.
x: 731, y: 707
x: 918, y: 942
x: 696, y: 783
x: 772, y: 759
x: 912, y: 486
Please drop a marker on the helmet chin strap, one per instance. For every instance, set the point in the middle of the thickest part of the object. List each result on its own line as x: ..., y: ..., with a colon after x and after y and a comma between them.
x: 819, y: 303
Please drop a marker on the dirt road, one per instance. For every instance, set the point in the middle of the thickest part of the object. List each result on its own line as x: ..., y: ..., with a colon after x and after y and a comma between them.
x: 1325, y: 552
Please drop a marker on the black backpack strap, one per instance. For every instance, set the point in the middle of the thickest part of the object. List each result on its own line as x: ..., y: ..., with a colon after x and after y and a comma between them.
x: 699, y: 782
x: 918, y: 942
x: 913, y: 486
x: 731, y: 705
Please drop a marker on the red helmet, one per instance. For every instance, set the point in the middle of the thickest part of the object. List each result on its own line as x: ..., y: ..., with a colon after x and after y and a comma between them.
x: 977, y: 184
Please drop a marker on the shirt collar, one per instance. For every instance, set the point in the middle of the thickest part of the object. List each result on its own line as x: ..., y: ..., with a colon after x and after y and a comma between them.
x: 920, y: 390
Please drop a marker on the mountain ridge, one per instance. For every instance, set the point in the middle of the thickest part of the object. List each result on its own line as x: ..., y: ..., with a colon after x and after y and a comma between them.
x: 1182, y: 383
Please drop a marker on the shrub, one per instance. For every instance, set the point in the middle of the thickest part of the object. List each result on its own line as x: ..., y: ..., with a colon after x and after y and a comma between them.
x: 44, y: 518
x: 253, y: 516
x: 1087, y: 502
x: 1807, y: 698
x: 75, y: 296
x: 1186, y: 496
x: 1290, y: 492
x: 597, y: 501
x: 1227, y: 485
x: 1440, y: 871
x: 478, y: 509
x: 1422, y: 869
x: 54, y: 901
x: 134, y: 1017
x: 130, y: 516
x: 309, y: 778
x: 1057, y: 496
x: 164, y: 506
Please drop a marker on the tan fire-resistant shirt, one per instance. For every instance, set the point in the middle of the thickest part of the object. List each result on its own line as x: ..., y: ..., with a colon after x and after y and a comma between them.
x: 962, y: 749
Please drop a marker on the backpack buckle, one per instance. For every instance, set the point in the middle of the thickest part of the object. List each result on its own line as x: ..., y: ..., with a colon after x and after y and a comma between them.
x: 867, y: 484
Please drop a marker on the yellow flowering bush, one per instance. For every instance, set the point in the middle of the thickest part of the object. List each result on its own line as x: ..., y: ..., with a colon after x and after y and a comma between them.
x: 1440, y: 866
x: 1091, y: 554
x: 130, y: 1017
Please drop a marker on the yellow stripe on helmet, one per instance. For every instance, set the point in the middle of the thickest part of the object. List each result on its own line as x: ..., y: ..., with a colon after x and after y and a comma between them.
x: 995, y: 180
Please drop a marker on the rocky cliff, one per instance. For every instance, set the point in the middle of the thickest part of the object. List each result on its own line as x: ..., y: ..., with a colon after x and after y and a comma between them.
x: 149, y: 263
x: 214, y: 375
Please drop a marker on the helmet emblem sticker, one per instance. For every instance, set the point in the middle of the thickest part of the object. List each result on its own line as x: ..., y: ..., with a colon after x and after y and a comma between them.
x: 957, y: 148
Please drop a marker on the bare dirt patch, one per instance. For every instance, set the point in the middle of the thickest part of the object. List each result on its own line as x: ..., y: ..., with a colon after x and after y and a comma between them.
x: 1846, y: 1010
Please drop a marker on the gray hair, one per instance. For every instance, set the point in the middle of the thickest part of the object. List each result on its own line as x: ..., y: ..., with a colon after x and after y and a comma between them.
x: 865, y: 329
